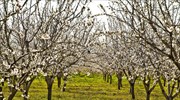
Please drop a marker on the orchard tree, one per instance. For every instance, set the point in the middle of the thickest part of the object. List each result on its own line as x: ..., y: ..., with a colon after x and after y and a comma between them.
x: 16, y: 38
x: 29, y: 34
x: 156, y: 23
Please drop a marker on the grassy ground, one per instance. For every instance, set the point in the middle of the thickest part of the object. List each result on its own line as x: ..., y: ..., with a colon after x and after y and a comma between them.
x: 82, y: 87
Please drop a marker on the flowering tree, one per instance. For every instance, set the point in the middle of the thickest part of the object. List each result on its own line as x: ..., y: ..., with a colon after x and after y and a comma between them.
x: 154, y: 24
x: 30, y: 34
x: 16, y: 43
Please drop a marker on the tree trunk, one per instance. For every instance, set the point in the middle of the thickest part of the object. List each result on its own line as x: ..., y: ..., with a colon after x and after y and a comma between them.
x: 164, y: 81
x: 104, y: 76
x: 26, y: 88
x: 119, y: 76
x: 25, y: 94
x: 169, y: 98
x: 12, y: 94
x: 59, y: 76
x: 162, y: 89
x: 110, y: 78
x: 49, y: 81
x: 1, y: 94
x: 49, y: 91
x: 64, y: 85
x: 132, y: 90
x: 178, y: 83
x: 107, y: 80
x: 148, y: 95
x: 119, y: 83
x: 59, y: 82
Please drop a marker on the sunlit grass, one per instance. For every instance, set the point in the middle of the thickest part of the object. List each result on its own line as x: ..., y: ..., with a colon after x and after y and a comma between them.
x: 82, y: 87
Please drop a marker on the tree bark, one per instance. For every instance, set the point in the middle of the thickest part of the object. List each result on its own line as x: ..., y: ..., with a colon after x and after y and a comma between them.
x: 162, y: 89
x: 12, y: 94
x: 148, y: 95
x: 59, y: 82
x: 49, y: 91
x: 49, y: 81
x: 26, y: 88
x: 110, y: 78
x: 104, y: 76
x: 178, y: 83
x: 169, y: 98
x: 119, y: 83
x: 107, y: 80
x: 64, y: 85
x: 1, y: 94
x: 132, y: 90
x: 59, y: 76
x: 119, y: 76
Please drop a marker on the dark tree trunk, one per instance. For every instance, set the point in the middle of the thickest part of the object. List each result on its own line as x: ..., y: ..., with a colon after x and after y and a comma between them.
x: 49, y: 81
x: 163, y: 90
x: 65, y: 83
x: 169, y: 98
x: 49, y: 91
x: 59, y: 76
x: 119, y: 76
x: 107, y: 80
x: 110, y: 79
x: 59, y: 82
x: 178, y: 83
x: 104, y: 76
x: 26, y: 88
x: 119, y: 83
x: 164, y: 81
x: 12, y: 94
x: 2, y: 83
x: 1, y: 94
x: 132, y: 90
x: 25, y: 94
x: 148, y: 95
x: 147, y: 87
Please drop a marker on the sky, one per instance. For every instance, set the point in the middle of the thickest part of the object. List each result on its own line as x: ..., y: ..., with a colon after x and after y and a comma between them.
x: 94, y: 5
x: 95, y: 9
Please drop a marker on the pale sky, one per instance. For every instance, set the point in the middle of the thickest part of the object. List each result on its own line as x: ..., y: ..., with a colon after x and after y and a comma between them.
x: 94, y: 5
x: 95, y: 9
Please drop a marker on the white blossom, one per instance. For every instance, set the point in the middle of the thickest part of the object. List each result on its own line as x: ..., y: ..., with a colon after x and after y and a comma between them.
x: 88, y: 73
x: 170, y: 29
x: 28, y: 79
x: 2, y: 80
x: 45, y: 74
x: 65, y: 74
x: 45, y: 36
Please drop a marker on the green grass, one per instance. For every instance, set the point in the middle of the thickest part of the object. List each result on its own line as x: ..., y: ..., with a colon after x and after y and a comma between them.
x: 81, y: 87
